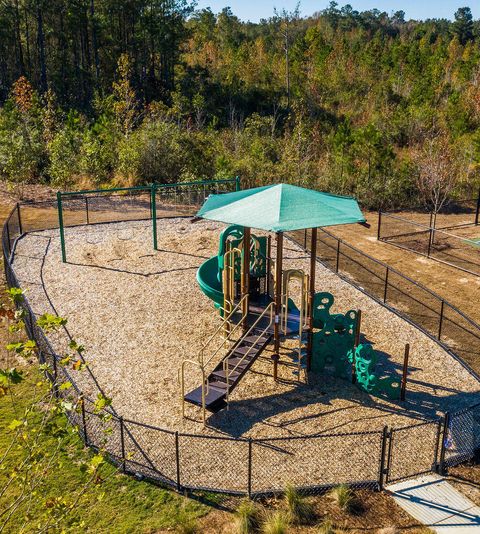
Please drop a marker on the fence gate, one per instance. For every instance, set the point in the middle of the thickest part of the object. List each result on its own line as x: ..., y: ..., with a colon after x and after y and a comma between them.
x: 413, y: 450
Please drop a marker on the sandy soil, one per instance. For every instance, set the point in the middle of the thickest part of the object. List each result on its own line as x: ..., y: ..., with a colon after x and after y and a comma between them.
x: 459, y: 288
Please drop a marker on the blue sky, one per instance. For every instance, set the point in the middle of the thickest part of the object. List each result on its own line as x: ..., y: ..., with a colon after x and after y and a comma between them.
x: 254, y: 10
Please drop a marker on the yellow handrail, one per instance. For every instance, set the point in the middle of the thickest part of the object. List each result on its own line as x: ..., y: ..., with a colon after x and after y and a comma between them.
x: 205, y: 386
x: 200, y: 356
x: 288, y: 276
x: 201, y: 363
x: 228, y: 277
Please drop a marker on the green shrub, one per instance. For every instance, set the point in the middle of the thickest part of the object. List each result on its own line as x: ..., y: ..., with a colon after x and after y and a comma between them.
x: 247, y: 517
x: 343, y: 497
x: 161, y: 151
x: 98, y: 157
x: 22, y: 150
x: 299, y: 510
x: 64, y: 151
x: 276, y: 522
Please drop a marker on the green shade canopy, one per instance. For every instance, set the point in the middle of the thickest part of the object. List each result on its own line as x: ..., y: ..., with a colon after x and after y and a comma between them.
x: 281, y: 208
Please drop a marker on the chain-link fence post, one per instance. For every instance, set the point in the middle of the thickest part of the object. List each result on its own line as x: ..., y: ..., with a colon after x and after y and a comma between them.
x: 20, y: 228
x: 7, y: 231
x: 122, y: 444
x: 385, y: 289
x: 84, y: 421
x: 87, y: 211
x: 435, y: 466
x: 55, y: 376
x: 153, y: 193
x: 477, y: 211
x: 177, y: 461
x: 337, y: 261
x: 440, y: 321
x: 379, y: 225
x: 249, y: 480
x: 60, y: 225
x: 443, y: 443
x: 383, y: 455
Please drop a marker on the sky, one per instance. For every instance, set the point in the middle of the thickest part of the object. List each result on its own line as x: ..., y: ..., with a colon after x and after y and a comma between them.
x: 254, y: 10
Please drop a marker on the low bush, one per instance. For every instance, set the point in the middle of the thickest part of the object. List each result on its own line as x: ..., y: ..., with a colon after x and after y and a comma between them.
x: 298, y: 508
x: 247, y: 517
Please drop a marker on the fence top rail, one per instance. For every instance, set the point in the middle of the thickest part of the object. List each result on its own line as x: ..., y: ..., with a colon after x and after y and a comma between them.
x: 427, y: 228
x: 145, y: 187
x: 425, y: 209
x: 405, y: 277
x: 319, y: 436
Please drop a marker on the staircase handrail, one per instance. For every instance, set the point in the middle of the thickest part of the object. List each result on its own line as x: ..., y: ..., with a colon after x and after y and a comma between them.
x: 205, y: 386
x: 200, y: 355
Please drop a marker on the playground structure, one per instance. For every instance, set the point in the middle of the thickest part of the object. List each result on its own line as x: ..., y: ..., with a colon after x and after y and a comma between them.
x: 249, y: 463
x: 257, y: 303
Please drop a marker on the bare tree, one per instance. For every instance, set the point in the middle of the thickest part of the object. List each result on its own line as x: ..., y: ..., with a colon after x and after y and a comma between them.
x: 438, y: 172
x: 287, y: 18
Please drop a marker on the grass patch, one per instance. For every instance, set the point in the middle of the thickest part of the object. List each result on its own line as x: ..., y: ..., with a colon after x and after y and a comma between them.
x: 344, y: 498
x: 115, y: 500
x: 299, y: 510
x: 327, y: 526
x: 247, y: 517
x: 275, y: 522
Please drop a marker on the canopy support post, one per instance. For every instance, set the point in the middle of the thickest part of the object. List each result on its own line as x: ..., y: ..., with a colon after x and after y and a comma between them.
x: 278, y: 303
x: 246, y: 275
x: 313, y: 263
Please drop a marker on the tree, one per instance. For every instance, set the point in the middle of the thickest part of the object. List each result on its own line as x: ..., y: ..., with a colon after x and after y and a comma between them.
x: 287, y: 19
x: 438, y: 171
x: 398, y: 17
x: 125, y: 106
x: 463, y: 25
x: 41, y: 434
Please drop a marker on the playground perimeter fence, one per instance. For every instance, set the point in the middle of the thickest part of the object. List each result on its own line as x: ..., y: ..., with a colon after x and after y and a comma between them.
x: 445, y: 236
x: 200, y: 462
x: 439, y: 319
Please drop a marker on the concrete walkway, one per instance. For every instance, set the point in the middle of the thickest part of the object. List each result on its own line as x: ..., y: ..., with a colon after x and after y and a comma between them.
x: 433, y: 501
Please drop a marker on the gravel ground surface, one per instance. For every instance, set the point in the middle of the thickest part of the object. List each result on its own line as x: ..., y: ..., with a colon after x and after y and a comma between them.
x: 139, y: 313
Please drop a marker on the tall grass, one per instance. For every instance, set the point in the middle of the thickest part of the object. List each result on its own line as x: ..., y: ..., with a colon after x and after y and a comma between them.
x: 343, y: 497
x: 247, y: 517
x: 299, y: 510
x: 328, y: 527
x: 276, y: 522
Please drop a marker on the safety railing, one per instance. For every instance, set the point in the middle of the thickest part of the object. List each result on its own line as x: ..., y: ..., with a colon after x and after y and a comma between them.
x: 458, y: 333
x: 299, y: 276
x: 460, y: 250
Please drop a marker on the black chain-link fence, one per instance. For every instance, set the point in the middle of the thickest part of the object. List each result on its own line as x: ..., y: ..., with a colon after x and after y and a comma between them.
x: 450, y: 236
x: 257, y: 466
x: 442, y: 321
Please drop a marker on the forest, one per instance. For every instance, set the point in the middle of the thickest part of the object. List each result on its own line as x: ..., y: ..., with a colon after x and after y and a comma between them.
x: 128, y: 92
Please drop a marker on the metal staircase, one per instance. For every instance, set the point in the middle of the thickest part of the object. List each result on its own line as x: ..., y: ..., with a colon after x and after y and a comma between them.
x: 242, y: 349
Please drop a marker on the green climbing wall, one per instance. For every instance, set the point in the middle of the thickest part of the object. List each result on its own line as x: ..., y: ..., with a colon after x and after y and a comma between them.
x: 333, y: 348
x: 333, y: 337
